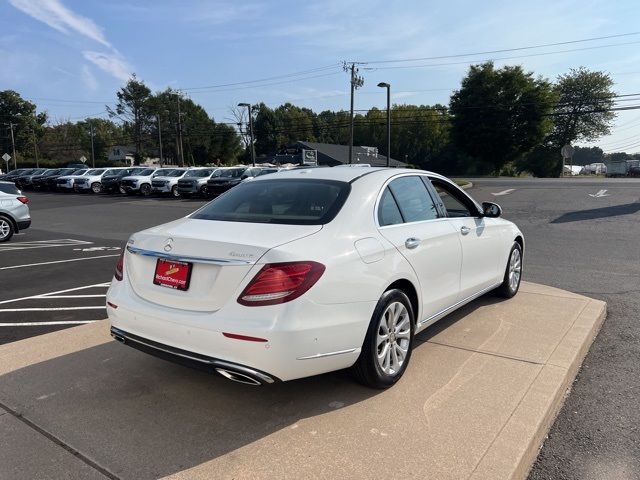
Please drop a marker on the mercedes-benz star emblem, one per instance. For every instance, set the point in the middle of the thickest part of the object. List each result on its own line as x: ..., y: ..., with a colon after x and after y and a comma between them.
x: 168, y: 245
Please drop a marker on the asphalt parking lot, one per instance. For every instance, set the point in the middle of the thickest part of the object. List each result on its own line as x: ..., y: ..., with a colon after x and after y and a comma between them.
x: 55, y: 274
x: 581, y: 236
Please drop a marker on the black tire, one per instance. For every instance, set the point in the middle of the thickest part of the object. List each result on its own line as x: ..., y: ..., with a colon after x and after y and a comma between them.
x: 367, y: 369
x: 174, y: 192
x: 122, y: 190
x: 96, y: 187
x: 145, y: 189
x: 509, y: 287
x: 204, y: 192
x: 7, y: 229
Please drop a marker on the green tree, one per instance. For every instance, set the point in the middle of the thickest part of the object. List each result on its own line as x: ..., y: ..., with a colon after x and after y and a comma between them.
x: 587, y: 155
x: 583, y: 111
x: 500, y: 114
x: 204, y: 141
x: 28, y: 125
x: 133, y: 109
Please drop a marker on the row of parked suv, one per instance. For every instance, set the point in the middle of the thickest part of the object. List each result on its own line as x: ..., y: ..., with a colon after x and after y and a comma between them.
x: 196, y: 181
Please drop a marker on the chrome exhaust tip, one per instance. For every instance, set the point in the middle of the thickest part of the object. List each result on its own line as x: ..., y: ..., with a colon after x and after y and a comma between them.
x: 118, y: 338
x: 238, y: 377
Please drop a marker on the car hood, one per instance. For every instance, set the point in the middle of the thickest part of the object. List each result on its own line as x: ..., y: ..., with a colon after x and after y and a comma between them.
x: 167, y: 178
x: 137, y: 177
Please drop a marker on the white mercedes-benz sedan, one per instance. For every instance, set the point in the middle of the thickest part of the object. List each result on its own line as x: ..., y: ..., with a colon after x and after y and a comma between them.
x: 307, y: 271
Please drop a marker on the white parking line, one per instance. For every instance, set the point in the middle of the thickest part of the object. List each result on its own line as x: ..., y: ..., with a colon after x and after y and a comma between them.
x: 45, y: 295
x: 503, y: 192
x: 64, y: 242
x: 72, y: 296
x: 56, y: 261
x: 51, y: 309
x: 36, y: 324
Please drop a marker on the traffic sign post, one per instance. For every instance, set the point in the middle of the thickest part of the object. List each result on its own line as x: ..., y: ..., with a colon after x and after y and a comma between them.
x: 567, y: 154
x: 6, y: 157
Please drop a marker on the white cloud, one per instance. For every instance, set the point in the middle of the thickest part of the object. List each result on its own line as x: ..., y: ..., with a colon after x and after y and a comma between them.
x: 112, y: 63
x: 59, y: 17
x: 88, y: 78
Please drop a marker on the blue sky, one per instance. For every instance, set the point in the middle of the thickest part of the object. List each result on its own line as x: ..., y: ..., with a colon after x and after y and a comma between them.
x: 71, y: 56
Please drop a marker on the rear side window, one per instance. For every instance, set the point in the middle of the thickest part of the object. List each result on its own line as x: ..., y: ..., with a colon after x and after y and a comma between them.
x: 9, y: 188
x: 388, y: 212
x: 413, y: 199
x: 292, y: 202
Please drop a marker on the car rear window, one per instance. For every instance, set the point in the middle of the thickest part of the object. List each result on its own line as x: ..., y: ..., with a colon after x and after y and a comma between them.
x: 199, y: 173
x: 9, y: 188
x: 232, y: 173
x: 292, y: 202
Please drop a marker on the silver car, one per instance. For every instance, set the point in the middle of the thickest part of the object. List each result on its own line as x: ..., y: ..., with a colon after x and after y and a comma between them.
x: 14, y: 211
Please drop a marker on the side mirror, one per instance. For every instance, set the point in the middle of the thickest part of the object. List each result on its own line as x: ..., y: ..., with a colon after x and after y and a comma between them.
x: 244, y: 176
x: 491, y: 210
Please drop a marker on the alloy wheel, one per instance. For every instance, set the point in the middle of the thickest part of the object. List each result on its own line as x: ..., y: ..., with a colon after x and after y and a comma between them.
x: 393, y: 338
x: 96, y: 187
x: 5, y: 228
x: 515, y: 269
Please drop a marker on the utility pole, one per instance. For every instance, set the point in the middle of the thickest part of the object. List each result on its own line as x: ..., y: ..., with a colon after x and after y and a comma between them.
x: 13, y: 145
x: 181, y: 159
x: 356, y: 82
x: 160, y: 139
x: 253, y: 151
x: 35, y: 147
x: 93, y: 156
x: 388, y: 87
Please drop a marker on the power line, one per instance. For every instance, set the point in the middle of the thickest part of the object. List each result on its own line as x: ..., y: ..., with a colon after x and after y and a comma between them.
x: 478, y: 60
x: 246, y: 82
x: 503, y: 50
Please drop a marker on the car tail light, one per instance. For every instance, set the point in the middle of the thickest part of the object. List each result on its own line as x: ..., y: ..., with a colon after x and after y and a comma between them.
x: 119, y: 268
x: 24, y: 200
x: 278, y: 283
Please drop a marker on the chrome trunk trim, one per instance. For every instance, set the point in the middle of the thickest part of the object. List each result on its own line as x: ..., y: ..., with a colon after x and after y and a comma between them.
x: 187, y: 258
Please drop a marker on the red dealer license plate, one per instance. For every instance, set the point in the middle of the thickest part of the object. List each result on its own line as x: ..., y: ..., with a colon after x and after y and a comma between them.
x: 172, y: 274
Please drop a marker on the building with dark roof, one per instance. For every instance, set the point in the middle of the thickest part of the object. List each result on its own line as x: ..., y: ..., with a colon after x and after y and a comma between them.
x: 331, y: 155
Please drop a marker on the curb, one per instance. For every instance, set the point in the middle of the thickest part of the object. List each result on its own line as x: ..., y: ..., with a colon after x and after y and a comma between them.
x: 549, y: 390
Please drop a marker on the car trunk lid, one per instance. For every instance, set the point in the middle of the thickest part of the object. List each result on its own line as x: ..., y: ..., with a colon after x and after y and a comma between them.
x: 220, y: 253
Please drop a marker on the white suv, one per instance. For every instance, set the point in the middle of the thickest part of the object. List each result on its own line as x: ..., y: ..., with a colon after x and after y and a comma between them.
x: 168, y: 182
x: 14, y: 211
x: 141, y: 182
x: 91, y: 180
x: 195, y: 180
x: 65, y: 183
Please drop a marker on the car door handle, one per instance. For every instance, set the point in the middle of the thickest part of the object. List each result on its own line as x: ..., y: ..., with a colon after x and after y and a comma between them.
x: 412, y: 242
x: 464, y: 230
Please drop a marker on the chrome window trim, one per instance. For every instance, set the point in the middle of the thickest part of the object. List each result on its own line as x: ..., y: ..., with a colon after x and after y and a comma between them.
x: 386, y: 184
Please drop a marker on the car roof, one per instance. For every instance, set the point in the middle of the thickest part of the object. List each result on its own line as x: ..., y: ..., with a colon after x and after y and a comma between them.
x: 343, y: 173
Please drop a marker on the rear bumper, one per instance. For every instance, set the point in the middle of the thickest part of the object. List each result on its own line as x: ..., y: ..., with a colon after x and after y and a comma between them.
x: 301, y: 338
x: 243, y: 374
x: 24, y: 224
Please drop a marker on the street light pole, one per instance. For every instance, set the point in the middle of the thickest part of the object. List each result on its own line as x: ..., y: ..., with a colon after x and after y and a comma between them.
x: 253, y: 152
x: 180, y: 134
x: 388, y: 87
x: 93, y: 156
x: 160, y: 139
